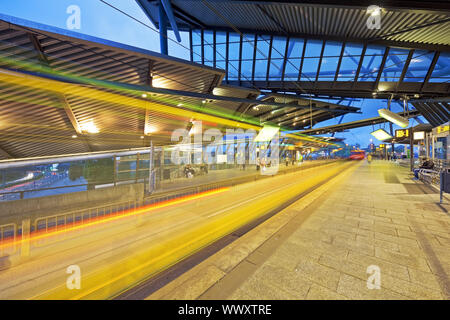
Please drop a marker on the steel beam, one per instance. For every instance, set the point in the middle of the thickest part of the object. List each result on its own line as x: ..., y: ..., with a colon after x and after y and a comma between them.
x: 405, y: 69
x: 358, y: 70
x: 430, y: 70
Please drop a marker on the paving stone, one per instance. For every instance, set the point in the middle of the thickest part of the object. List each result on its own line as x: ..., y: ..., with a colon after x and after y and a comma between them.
x: 317, y: 292
x: 402, y: 259
x: 325, y: 276
x: 355, y: 288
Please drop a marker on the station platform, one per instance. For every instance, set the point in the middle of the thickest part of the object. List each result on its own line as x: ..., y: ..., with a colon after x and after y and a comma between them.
x: 324, y: 245
x: 215, y: 176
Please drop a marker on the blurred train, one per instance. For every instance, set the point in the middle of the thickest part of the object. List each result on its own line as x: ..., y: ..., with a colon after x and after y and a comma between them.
x: 357, y: 155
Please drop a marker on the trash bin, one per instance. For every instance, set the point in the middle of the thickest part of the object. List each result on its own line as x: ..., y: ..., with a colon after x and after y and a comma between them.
x: 445, y: 180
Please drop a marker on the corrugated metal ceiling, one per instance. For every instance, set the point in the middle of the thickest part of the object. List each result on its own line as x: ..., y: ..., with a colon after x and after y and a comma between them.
x: 346, y: 21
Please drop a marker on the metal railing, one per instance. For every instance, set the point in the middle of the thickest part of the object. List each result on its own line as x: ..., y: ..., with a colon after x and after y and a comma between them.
x: 8, y: 232
x: 63, y: 220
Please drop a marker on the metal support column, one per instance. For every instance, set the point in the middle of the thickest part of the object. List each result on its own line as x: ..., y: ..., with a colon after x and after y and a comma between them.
x: 163, y: 29
x: 411, y: 149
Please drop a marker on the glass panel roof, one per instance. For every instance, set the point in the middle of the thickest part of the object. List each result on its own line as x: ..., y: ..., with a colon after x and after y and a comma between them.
x: 257, y: 67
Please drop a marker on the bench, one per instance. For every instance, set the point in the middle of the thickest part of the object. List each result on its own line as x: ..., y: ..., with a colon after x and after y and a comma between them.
x: 429, y: 176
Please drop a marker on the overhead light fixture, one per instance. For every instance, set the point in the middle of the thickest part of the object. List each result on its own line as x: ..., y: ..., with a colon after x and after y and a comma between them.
x: 89, y: 127
x: 144, y: 95
x: 157, y: 83
x: 203, y: 101
x: 150, y: 129
x: 393, y: 117
x: 266, y: 133
x: 142, y: 137
x: 381, y: 135
x: 74, y: 136
x: 179, y: 105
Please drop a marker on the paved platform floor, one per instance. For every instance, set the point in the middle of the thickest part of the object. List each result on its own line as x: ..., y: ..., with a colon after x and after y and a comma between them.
x: 330, y: 244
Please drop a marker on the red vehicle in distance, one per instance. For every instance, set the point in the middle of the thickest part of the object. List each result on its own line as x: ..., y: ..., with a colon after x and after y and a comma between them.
x: 357, y: 155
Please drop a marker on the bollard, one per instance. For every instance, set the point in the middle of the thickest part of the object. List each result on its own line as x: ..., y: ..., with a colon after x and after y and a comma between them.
x: 25, y: 243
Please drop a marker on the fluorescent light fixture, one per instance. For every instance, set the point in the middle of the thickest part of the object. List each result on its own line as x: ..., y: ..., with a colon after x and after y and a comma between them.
x: 150, y: 129
x: 381, y: 135
x: 89, y: 127
x: 266, y: 133
x: 393, y: 117
x: 420, y: 135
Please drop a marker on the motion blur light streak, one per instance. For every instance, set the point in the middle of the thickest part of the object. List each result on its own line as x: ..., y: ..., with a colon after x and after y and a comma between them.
x: 37, y: 235
x: 107, y: 281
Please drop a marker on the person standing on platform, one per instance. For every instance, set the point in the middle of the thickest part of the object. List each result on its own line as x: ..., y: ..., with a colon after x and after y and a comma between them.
x: 369, y: 158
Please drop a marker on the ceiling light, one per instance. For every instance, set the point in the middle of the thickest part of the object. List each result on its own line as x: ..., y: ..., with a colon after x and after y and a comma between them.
x: 89, y: 127
x: 144, y: 95
x: 393, y: 117
x: 142, y: 137
x: 74, y: 136
x: 150, y: 129
x: 266, y: 133
x: 179, y: 105
x: 381, y: 135
x: 203, y: 101
x: 157, y: 83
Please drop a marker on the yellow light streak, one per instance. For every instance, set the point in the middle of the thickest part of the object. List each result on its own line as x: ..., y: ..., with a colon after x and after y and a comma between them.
x: 110, y: 280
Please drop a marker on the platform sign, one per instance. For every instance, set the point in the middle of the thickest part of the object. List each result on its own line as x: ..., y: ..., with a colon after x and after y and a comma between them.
x: 442, y: 129
x: 402, y: 133
x: 382, y: 146
x: 419, y: 135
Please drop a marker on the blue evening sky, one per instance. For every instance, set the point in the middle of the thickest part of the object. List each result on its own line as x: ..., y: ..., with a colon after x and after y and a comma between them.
x: 100, y: 20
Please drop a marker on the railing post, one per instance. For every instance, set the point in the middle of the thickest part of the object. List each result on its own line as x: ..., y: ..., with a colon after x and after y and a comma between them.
x: 137, y: 169
x: 25, y: 243
x: 115, y: 170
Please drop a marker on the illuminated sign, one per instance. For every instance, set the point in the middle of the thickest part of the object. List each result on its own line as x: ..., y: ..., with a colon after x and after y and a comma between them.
x: 420, y: 135
x: 442, y: 129
x: 402, y: 133
x: 382, y: 145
